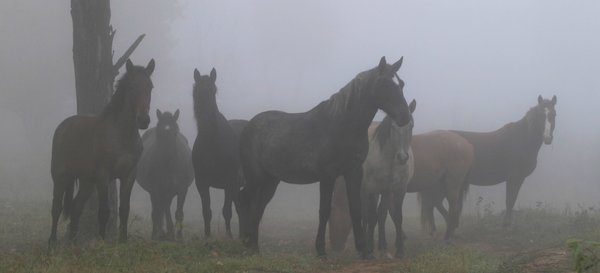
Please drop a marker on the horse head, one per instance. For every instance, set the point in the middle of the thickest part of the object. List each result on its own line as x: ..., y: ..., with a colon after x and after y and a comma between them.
x: 205, y: 88
x: 140, y: 86
x: 167, y: 129
x: 404, y: 137
x: 388, y: 92
x: 542, y: 119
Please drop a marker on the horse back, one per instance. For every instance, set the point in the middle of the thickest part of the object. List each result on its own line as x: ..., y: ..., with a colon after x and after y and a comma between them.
x: 439, y: 154
x: 497, y: 156
x: 299, y: 148
x: 72, y: 146
x: 152, y: 171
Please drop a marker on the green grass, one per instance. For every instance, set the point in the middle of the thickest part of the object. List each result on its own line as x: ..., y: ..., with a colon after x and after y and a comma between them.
x: 149, y: 256
x: 449, y: 259
x: 287, y: 246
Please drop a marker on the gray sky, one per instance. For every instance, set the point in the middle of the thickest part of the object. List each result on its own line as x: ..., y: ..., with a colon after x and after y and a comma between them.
x: 471, y: 65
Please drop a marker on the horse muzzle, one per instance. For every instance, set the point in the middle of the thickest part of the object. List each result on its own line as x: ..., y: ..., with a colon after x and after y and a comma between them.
x: 143, y: 121
x: 402, y: 158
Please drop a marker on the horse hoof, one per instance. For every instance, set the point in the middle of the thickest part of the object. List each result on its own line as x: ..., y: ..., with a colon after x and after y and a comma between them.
x: 322, y: 256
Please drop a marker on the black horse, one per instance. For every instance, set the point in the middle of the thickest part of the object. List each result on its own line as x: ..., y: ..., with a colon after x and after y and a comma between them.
x: 319, y: 145
x: 97, y: 149
x: 510, y: 153
x: 215, y: 153
x: 165, y: 171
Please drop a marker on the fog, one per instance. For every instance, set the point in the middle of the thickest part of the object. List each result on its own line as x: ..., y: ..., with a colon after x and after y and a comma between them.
x: 471, y: 65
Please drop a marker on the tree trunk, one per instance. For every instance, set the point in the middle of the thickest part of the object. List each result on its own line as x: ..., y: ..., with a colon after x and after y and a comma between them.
x: 94, y: 80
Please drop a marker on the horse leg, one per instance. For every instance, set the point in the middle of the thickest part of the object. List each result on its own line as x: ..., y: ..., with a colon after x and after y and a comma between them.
x: 247, y: 199
x: 227, y: 210
x: 397, y: 218
x: 265, y: 195
x: 103, y: 209
x: 370, y: 213
x: 427, y: 205
x: 382, y: 211
x: 156, y: 219
x: 454, y: 213
x: 85, y: 191
x: 339, y: 220
x: 439, y: 205
x: 168, y: 219
x: 204, y: 192
x: 179, y: 212
x: 513, y: 185
x: 60, y: 185
x: 326, y: 192
x: 353, y: 184
x: 124, y: 199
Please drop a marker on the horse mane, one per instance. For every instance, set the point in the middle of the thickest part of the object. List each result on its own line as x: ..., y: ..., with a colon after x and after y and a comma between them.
x: 383, y: 131
x: 121, y: 87
x: 339, y: 102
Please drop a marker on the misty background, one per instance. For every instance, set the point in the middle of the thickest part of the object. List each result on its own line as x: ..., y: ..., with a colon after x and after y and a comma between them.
x: 471, y: 65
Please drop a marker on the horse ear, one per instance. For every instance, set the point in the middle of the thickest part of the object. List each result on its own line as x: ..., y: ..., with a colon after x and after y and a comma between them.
x: 382, y: 64
x: 396, y: 66
x: 196, y: 75
x: 150, y: 68
x: 158, y: 114
x: 176, y: 115
x: 128, y: 65
x: 540, y: 99
x: 412, y: 106
x: 554, y: 100
x: 213, y: 75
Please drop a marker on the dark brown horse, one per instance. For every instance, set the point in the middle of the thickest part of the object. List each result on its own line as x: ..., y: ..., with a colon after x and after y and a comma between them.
x: 319, y: 145
x: 510, y: 153
x: 215, y: 154
x: 441, y: 163
x: 165, y: 170
x: 94, y: 150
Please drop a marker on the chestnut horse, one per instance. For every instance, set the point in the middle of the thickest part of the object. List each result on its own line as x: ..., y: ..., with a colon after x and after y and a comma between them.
x: 94, y: 150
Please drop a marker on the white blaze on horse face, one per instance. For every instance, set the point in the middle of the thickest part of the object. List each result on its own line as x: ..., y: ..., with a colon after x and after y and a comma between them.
x: 547, y: 126
x: 167, y: 127
x: 395, y: 79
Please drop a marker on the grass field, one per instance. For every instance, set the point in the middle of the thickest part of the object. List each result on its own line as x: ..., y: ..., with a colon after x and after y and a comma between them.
x: 536, y: 243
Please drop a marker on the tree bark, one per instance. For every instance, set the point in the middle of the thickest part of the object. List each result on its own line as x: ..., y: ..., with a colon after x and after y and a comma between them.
x: 94, y: 81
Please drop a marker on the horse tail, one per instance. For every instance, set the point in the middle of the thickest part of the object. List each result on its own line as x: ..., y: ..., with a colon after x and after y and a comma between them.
x: 68, y: 200
x: 426, y: 205
x: 464, y: 190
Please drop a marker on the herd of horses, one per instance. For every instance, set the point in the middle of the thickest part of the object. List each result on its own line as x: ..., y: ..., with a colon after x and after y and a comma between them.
x: 364, y: 168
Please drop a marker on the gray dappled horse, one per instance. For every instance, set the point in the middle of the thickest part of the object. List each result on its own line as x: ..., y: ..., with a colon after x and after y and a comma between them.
x: 94, y: 150
x: 386, y: 171
x: 165, y: 170
x: 319, y: 145
x: 510, y: 153
x: 441, y: 163
x: 215, y: 154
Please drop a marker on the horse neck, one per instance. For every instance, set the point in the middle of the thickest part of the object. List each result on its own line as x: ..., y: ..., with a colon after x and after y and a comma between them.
x: 206, y: 114
x: 348, y: 111
x: 119, y: 115
x: 519, y: 132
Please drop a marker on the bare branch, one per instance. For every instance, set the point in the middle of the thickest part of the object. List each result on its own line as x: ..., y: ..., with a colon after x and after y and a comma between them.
x: 127, y: 53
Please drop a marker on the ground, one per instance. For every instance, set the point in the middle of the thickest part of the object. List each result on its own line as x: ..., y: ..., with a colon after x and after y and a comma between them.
x: 535, y: 243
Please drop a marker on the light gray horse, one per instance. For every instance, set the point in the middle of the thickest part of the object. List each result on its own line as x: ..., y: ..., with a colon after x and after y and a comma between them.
x: 387, y: 170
